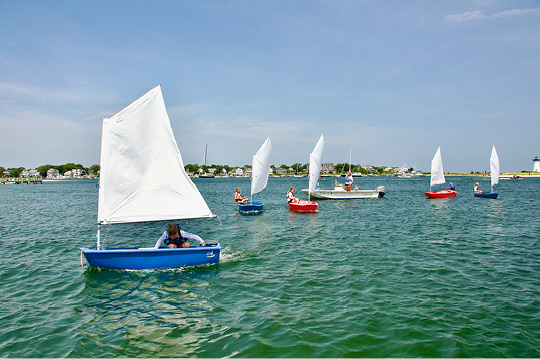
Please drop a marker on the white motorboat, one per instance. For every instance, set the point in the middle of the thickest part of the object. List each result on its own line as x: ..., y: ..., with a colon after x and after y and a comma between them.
x: 339, y: 192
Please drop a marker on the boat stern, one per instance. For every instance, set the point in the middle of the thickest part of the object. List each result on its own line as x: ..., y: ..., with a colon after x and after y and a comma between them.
x: 251, y: 207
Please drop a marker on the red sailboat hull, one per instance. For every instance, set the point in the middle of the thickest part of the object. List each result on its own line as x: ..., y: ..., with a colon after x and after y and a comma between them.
x: 303, y: 206
x: 440, y: 194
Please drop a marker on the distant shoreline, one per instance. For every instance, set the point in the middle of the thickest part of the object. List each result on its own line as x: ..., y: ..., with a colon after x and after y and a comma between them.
x: 502, y: 175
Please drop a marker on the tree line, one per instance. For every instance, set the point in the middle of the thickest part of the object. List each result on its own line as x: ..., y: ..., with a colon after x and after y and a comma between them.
x: 191, y: 168
x: 296, y: 167
x: 16, y: 171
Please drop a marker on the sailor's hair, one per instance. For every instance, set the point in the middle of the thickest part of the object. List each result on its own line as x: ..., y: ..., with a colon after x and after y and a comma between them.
x: 174, y: 229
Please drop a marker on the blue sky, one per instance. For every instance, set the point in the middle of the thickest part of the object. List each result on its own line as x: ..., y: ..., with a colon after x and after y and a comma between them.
x: 391, y: 79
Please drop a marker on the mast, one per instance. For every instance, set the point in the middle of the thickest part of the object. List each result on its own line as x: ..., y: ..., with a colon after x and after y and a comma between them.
x: 98, y: 246
x: 350, y: 159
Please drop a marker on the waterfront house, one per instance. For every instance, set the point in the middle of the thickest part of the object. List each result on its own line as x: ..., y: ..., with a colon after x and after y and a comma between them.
x: 53, y: 173
x: 281, y: 171
x: 30, y: 173
x: 328, y: 168
x: 368, y: 168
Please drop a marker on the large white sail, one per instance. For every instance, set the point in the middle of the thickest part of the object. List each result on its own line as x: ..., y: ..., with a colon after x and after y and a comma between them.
x: 142, y: 176
x: 261, y: 166
x: 315, y: 163
x: 437, y: 172
x: 494, y: 167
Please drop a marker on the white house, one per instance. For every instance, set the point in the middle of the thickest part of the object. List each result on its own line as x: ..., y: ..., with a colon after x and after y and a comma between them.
x: 53, y: 173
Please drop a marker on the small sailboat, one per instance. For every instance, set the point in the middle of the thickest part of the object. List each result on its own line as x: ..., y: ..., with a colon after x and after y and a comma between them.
x: 143, y: 180
x: 259, y: 177
x: 495, y: 172
x: 315, y: 163
x: 205, y: 175
x: 437, y: 177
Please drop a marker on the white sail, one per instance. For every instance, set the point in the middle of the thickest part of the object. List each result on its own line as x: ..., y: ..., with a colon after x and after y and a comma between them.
x: 437, y: 172
x: 315, y: 163
x: 494, y: 167
x: 261, y: 166
x: 142, y: 176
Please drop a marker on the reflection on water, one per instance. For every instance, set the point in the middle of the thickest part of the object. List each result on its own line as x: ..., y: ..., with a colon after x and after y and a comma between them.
x: 151, y: 306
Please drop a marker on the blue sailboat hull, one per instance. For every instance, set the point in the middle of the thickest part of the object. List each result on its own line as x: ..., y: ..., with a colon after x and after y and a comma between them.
x: 251, y: 207
x: 149, y: 258
x: 487, y: 195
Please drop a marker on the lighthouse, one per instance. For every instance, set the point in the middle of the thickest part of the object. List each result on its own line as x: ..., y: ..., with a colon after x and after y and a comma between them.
x: 536, y: 164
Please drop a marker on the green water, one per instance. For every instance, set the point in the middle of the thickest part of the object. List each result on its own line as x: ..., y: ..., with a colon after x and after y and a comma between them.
x: 402, y: 276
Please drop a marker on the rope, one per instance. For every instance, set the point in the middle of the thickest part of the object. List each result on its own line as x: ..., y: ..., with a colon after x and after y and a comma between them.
x: 104, y: 238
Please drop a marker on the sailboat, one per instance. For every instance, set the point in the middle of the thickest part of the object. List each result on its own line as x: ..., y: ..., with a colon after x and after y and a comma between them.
x: 142, y: 179
x: 205, y: 175
x: 315, y: 163
x: 437, y: 177
x: 339, y: 192
x: 259, y: 177
x: 495, y: 172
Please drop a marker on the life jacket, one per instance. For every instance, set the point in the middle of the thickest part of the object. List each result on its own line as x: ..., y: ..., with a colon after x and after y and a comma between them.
x: 290, y: 199
x: 178, y: 240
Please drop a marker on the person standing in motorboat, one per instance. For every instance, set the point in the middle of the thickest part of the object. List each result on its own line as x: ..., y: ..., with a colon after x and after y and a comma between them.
x: 348, y: 181
x: 175, y: 237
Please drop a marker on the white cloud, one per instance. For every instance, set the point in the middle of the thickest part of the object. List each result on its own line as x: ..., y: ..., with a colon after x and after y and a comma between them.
x: 513, y: 12
x: 480, y: 15
x: 471, y: 15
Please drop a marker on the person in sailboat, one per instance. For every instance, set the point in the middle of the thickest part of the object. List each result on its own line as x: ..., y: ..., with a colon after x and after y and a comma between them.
x: 452, y: 186
x: 477, y: 189
x: 239, y: 198
x: 175, y: 237
x: 348, y: 181
x: 290, y: 196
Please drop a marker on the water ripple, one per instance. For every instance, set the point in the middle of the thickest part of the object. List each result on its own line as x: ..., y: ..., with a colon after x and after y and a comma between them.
x: 402, y: 276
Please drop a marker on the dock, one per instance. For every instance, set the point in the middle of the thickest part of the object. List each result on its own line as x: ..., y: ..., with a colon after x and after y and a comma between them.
x: 20, y: 180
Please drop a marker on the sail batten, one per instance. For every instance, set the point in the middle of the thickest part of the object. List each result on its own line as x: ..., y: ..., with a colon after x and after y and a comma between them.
x: 142, y: 176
